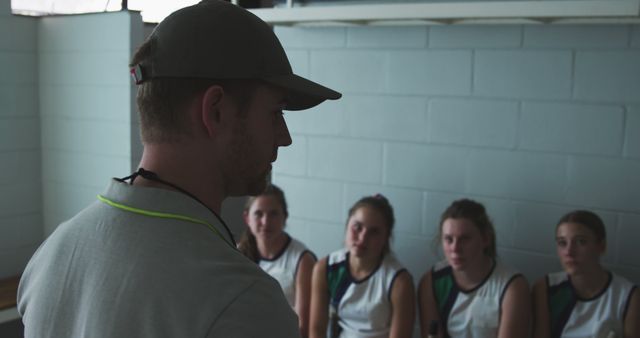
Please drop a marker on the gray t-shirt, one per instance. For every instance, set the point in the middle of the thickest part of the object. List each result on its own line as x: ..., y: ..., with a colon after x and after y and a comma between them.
x: 142, y: 262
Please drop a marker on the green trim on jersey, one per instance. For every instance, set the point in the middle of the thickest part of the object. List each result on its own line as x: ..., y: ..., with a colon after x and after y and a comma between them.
x: 442, y: 287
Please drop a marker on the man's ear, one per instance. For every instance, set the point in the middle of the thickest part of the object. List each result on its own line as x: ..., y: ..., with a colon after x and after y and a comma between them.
x: 211, y: 109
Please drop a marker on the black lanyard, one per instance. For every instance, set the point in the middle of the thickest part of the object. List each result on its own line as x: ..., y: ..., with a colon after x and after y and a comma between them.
x: 151, y: 176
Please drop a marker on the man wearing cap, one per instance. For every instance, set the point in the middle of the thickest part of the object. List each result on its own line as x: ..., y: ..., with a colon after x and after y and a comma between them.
x: 151, y: 257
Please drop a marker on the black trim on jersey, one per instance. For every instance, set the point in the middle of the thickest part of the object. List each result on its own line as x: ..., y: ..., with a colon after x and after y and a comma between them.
x: 566, y: 313
x: 486, y: 278
x: 280, y: 253
x: 597, y: 295
x: 356, y: 281
x: 506, y: 286
x: 393, y: 281
x: 451, y: 299
x: 626, y: 306
x: 295, y: 274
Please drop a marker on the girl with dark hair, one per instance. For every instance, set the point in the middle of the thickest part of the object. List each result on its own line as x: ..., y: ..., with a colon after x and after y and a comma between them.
x: 362, y: 290
x: 471, y: 294
x: 281, y: 256
x: 584, y: 300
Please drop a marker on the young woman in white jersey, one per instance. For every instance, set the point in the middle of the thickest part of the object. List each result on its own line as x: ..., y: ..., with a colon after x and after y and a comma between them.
x: 584, y: 300
x: 281, y: 256
x: 362, y: 291
x: 472, y: 294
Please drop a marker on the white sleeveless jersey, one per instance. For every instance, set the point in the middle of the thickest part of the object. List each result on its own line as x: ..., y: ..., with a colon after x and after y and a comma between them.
x: 363, y: 306
x: 597, y: 317
x: 471, y: 313
x: 284, y: 267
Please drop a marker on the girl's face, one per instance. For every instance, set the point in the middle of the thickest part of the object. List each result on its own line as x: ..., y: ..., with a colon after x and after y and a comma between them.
x: 578, y: 248
x: 463, y: 243
x: 367, y: 233
x: 265, y: 218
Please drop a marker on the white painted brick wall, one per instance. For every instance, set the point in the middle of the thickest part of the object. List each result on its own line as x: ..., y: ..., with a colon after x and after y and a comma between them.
x: 572, y: 128
x: 20, y: 187
x: 473, y: 122
x: 632, y: 133
x: 522, y: 74
x: 346, y: 160
x: 578, y: 36
x: 609, y: 76
x: 386, y: 117
x: 89, y: 132
x: 442, y: 72
x: 533, y: 121
x: 464, y: 36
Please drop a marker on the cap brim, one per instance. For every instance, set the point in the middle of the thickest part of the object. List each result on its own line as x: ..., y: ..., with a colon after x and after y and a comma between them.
x: 302, y: 93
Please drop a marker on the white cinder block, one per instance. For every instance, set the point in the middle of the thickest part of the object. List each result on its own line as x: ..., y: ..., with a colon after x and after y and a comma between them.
x: 532, y: 265
x: 406, y: 203
x: 311, y: 37
x: 343, y: 159
x: 292, y: 160
x: 86, y: 169
x: 298, y: 229
x: 18, y: 68
x: 387, y: 117
x: 627, y: 240
x: 108, y: 31
x: 429, y: 72
x: 635, y: 36
x: 299, y: 60
x: 387, y: 37
x: 94, y: 102
x: 475, y: 36
x: 503, y: 216
x: 576, y: 36
x: 18, y: 34
x: 572, y: 128
x: 95, y: 137
x: 312, y: 199
x: 19, y: 134
x: 422, y: 166
x: 434, y: 205
x: 18, y: 231
x: 19, y: 100
x: 610, y: 76
x: 473, y: 122
x: 523, y: 74
x: 13, y: 261
x: 415, y: 253
x: 63, y: 200
x: 632, y: 133
x: 20, y: 197
x: 15, y: 166
x: 607, y: 183
x: 327, y: 237
x: 529, y: 176
x: 325, y: 119
x: 84, y: 68
x: 354, y: 71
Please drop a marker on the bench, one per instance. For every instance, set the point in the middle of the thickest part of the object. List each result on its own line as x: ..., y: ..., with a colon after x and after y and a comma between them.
x: 8, y: 295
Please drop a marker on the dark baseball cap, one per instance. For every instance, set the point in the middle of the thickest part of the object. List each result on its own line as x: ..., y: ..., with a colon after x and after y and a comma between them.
x: 215, y: 39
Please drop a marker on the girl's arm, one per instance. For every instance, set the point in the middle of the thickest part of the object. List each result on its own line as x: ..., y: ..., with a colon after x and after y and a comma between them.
x: 632, y: 319
x: 319, y: 310
x: 303, y: 291
x: 541, y: 321
x: 427, y: 306
x: 402, y: 306
x: 515, y: 318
